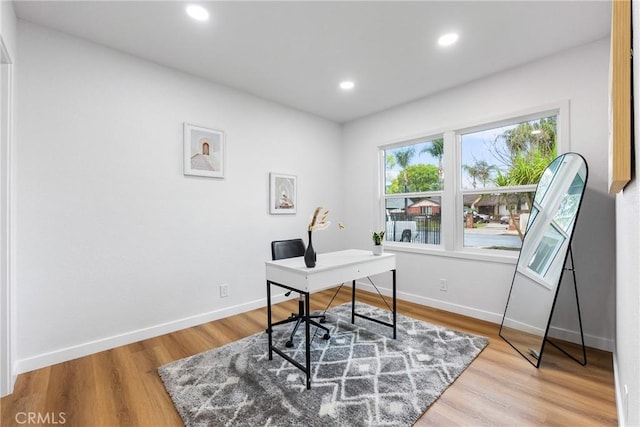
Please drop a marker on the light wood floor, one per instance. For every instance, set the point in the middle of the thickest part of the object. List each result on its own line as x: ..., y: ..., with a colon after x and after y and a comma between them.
x: 120, y: 387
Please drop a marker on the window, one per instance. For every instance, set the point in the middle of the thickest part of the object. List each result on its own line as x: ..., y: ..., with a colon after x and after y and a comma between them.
x: 487, y: 173
x: 500, y: 168
x: 412, y: 191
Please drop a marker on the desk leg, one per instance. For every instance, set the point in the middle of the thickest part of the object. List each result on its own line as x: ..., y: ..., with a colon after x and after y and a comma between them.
x: 353, y: 302
x: 307, y: 310
x: 394, y: 303
x: 269, y: 320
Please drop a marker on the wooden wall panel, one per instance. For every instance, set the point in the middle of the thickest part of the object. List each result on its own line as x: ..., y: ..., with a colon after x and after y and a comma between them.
x: 620, y: 131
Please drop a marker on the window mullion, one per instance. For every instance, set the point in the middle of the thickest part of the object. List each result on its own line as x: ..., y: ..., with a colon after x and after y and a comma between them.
x: 510, y: 189
x: 471, y: 163
x: 450, y: 196
x: 413, y: 195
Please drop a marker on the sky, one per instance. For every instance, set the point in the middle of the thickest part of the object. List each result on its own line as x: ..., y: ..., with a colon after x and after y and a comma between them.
x: 476, y: 146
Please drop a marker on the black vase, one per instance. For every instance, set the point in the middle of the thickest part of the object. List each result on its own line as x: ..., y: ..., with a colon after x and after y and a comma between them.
x: 310, y: 254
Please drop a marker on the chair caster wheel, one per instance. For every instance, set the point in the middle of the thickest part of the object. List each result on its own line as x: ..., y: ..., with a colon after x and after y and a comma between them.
x: 288, y: 344
x: 323, y: 320
x: 326, y: 336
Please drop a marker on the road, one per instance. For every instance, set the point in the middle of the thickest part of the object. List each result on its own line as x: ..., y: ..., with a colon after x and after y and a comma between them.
x: 492, y: 234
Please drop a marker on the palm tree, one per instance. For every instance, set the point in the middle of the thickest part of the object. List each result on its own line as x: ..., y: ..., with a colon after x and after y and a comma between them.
x: 544, y: 136
x: 528, y: 137
x: 531, y: 146
x: 436, y: 149
x: 481, y: 171
x: 524, y: 170
x: 403, y: 158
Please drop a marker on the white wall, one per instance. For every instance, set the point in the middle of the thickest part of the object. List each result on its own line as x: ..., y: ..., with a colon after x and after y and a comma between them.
x: 627, y: 352
x: 8, y: 24
x: 480, y: 288
x: 7, y: 325
x: 115, y: 244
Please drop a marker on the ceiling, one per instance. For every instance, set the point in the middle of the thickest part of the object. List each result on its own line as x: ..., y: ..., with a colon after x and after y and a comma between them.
x: 296, y: 53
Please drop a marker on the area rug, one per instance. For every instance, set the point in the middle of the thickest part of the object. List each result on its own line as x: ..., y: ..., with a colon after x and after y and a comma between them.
x: 361, y: 376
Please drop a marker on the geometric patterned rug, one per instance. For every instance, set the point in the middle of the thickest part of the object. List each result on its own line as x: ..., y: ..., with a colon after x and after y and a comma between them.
x: 360, y: 377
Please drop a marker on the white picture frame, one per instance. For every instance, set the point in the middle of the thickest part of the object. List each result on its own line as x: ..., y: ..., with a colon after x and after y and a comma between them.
x: 204, y: 151
x: 283, y: 194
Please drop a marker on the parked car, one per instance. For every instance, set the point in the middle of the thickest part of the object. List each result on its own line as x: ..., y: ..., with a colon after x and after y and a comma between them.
x: 481, y: 217
x: 505, y: 219
x: 477, y: 217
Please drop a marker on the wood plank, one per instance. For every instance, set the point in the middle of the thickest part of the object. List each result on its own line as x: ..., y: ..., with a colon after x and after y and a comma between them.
x: 620, y: 107
x: 121, y: 387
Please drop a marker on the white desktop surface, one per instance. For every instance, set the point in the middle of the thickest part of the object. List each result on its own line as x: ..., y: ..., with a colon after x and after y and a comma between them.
x: 331, y: 269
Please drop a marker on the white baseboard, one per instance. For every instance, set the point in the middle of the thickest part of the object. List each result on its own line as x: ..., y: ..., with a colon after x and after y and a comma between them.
x: 622, y: 412
x: 589, y: 340
x: 434, y: 303
x: 7, y: 384
x: 14, y: 378
x: 85, y: 349
x: 563, y: 334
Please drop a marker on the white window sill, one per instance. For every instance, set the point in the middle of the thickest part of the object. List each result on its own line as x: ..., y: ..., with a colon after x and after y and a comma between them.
x: 497, y: 256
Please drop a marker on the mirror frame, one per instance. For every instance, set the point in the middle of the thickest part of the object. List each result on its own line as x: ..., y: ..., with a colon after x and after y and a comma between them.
x: 532, y: 234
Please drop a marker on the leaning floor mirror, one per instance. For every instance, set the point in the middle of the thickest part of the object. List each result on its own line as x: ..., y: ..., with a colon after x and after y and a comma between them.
x: 544, y: 257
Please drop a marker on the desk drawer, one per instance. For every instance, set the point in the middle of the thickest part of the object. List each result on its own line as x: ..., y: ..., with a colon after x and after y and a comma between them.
x: 331, y: 269
x: 347, y: 273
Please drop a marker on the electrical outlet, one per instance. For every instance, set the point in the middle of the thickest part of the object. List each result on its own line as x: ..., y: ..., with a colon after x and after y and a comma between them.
x: 443, y: 285
x: 224, y: 290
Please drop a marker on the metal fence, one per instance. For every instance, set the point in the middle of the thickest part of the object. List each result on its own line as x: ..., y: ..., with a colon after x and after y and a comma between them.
x: 414, y: 228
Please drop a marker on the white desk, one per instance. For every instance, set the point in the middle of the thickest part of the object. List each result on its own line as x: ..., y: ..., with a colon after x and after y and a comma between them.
x: 331, y: 269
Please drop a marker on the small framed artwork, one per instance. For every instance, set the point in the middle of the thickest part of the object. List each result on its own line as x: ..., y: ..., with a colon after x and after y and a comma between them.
x: 204, y: 151
x: 283, y: 197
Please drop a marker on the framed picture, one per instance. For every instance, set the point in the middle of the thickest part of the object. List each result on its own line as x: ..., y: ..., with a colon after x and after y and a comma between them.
x: 283, y: 197
x: 204, y: 151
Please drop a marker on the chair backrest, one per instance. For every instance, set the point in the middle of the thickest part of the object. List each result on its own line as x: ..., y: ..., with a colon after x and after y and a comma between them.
x: 281, y: 249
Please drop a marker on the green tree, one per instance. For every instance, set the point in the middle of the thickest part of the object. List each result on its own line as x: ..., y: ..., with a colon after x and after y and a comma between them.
x: 390, y: 161
x: 526, y: 168
x: 544, y: 133
x: 525, y: 141
x: 415, y: 178
x: 532, y: 147
x: 436, y: 149
x: 403, y: 158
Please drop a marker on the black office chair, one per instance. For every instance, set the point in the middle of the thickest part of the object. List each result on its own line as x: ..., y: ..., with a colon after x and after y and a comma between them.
x: 281, y: 249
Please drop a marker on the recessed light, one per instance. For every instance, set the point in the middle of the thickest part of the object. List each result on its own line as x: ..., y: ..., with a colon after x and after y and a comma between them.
x: 198, y: 13
x: 347, y: 85
x: 448, y: 39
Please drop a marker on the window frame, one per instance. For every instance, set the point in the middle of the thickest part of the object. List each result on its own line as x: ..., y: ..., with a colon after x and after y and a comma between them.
x: 384, y: 196
x: 452, y: 231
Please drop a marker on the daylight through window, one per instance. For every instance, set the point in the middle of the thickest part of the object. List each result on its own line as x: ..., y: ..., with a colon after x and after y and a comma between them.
x: 497, y: 167
x: 414, y: 179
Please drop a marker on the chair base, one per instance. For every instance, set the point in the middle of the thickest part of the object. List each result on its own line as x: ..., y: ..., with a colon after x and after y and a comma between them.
x: 299, y: 318
x: 299, y: 321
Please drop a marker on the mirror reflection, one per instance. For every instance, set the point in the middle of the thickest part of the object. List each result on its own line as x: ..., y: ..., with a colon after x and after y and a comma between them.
x: 544, y: 252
